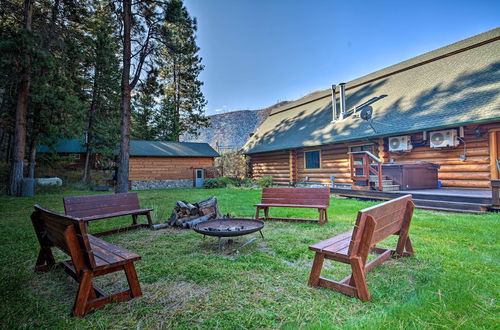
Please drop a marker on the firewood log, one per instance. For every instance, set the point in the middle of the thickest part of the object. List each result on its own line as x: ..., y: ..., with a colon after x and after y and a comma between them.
x: 173, y: 218
x: 204, y: 218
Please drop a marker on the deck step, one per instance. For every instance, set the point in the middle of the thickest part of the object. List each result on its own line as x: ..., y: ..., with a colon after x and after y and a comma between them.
x: 375, y: 177
x: 384, y: 182
x: 451, y: 206
x: 390, y: 187
x: 434, y: 208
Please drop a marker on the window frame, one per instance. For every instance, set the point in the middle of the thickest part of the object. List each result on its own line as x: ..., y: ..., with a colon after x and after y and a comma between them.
x: 305, y: 160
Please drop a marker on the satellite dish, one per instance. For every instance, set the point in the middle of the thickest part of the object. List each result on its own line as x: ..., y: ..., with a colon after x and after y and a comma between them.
x: 366, y: 113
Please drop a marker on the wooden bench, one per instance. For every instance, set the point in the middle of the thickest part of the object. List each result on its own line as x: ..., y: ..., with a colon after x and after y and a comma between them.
x: 98, y: 207
x: 373, y: 225
x: 314, y: 198
x: 90, y: 257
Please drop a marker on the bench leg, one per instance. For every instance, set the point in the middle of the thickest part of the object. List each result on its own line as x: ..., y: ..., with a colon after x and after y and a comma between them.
x: 266, y: 213
x: 83, y: 295
x: 409, y: 246
x: 133, y: 281
x: 45, y: 260
x: 134, y: 219
x: 257, y: 213
x: 322, y: 216
x: 150, y: 220
x: 358, y: 274
x: 317, y: 266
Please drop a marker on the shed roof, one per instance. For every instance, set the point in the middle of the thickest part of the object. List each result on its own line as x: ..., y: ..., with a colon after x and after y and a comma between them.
x: 453, y: 85
x: 171, y: 149
x: 142, y: 148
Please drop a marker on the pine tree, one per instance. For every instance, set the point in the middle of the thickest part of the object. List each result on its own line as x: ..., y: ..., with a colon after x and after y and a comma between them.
x: 182, y: 104
x: 17, y: 166
x: 144, y: 108
x: 102, y: 122
x: 142, y: 24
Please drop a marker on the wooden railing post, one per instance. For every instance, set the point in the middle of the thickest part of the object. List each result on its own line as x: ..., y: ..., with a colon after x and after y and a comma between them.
x: 380, y: 186
x: 366, y: 166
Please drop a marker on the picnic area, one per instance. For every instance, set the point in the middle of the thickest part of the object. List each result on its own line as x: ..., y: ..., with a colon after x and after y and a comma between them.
x: 187, y: 282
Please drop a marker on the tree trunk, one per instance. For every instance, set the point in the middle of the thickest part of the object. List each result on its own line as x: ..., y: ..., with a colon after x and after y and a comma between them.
x: 17, y: 165
x: 90, y: 136
x: 32, y: 158
x: 123, y: 166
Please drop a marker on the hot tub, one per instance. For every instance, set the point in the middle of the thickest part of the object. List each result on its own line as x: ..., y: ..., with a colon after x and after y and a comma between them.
x: 412, y: 175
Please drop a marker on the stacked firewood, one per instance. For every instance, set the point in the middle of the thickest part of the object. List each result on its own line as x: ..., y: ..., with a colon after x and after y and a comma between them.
x: 186, y: 215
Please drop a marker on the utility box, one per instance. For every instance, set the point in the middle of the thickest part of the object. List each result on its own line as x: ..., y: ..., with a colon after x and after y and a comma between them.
x: 27, y: 187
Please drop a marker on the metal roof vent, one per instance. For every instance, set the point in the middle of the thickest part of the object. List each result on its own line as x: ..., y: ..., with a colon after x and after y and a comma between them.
x: 343, y: 110
x: 334, y: 103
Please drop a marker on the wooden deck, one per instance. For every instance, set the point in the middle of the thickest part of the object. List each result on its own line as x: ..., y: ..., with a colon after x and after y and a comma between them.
x: 452, y: 200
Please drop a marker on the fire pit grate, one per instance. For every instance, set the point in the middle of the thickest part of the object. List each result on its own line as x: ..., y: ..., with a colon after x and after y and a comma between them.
x: 229, y: 227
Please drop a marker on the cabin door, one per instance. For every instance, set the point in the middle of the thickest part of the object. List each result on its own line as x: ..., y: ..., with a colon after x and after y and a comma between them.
x: 199, y: 177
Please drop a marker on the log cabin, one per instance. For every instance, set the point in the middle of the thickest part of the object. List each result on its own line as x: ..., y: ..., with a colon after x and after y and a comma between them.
x: 152, y: 164
x: 437, y: 113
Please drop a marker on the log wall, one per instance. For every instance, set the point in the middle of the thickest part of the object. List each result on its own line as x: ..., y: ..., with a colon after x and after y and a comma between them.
x: 166, y: 168
x: 276, y: 164
x: 475, y: 172
x: 334, y: 161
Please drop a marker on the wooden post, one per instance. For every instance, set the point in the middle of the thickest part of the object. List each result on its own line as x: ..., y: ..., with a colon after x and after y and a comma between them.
x: 493, y: 155
x: 495, y: 193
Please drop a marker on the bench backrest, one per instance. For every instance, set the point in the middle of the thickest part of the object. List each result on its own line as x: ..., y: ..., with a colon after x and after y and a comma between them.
x: 297, y: 196
x: 376, y: 223
x: 85, y: 206
x: 66, y: 233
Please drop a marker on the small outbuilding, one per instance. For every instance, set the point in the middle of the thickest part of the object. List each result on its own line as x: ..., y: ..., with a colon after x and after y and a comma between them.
x: 152, y: 165
x: 161, y: 164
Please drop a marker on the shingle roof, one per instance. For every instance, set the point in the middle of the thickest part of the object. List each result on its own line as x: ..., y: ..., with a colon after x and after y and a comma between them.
x: 455, y: 84
x: 171, y: 149
x: 143, y: 148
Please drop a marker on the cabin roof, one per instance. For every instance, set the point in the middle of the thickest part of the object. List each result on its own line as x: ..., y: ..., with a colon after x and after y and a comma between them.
x: 63, y: 146
x: 454, y: 85
x: 142, y: 148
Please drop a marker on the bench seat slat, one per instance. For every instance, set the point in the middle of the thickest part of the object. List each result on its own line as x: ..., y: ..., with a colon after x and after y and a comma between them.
x: 344, y: 237
x: 121, y: 252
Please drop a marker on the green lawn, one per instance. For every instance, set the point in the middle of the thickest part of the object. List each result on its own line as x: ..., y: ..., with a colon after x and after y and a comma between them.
x: 453, y: 282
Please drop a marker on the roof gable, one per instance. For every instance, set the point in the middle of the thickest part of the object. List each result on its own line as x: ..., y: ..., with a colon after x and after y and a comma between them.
x: 459, y: 83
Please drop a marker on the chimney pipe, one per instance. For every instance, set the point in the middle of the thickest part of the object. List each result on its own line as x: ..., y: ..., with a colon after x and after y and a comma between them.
x: 334, y: 103
x: 343, y: 110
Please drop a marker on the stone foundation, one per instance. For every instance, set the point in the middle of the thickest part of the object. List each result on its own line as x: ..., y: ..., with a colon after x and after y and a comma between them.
x: 161, y: 184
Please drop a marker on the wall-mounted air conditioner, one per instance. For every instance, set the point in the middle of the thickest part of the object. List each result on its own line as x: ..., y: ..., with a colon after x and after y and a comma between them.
x: 400, y: 143
x: 443, y: 139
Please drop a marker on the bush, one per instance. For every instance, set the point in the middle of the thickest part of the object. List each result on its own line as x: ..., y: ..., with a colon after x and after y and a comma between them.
x: 232, y: 163
x: 221, y: 182
x: 265, y: 181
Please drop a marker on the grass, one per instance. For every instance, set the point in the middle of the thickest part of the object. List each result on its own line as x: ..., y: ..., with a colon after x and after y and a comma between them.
x: 453, y: 282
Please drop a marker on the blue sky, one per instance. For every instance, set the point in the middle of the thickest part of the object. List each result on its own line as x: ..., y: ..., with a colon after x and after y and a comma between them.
x: 258, y: 52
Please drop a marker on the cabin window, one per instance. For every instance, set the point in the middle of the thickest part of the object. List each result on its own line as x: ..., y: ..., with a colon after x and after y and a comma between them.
x: 75, y: 156
x: 312, y: 159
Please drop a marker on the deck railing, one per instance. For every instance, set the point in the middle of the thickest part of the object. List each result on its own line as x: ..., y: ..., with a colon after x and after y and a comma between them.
x: 362, y: 161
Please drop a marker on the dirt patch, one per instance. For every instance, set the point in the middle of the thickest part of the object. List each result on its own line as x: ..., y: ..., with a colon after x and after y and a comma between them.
x: 163, y: 300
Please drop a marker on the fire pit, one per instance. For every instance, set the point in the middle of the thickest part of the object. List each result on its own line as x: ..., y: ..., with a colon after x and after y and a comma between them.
x: 229, y: 227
